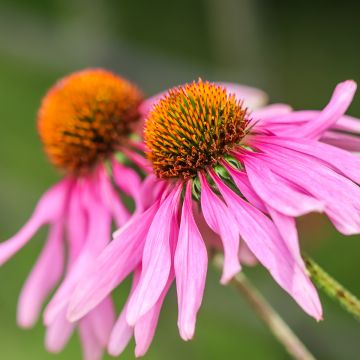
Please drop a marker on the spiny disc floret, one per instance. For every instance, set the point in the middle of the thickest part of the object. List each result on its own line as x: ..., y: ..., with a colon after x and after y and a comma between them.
x: 192, y: 127
x: 85, y: 117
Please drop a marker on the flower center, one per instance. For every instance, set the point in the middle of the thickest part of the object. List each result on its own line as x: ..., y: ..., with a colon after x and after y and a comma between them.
x: 192, y: 127
x: 85, y: 116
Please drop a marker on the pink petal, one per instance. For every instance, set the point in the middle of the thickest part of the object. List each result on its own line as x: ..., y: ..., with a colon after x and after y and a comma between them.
x: 137, y: 159
x: 145, y: 327
x: 265, y: 242
x: 118, y: 259
x: 342, y: 160
x: 242, y: 183
x: 246, y: 256
x: 111, y: 199
x: 343, y: 141
x: 340, y: 195
x: 98, y: 236
x: 339, y: 103
x: 102, y: 319
x: 58, y: 333
x: 190, y: 269
x: 41, y: 280
x: 92, y: 349
x: 156, y: 260
x: 49, y: 209
x: 128, y: 181
x: 271, y: 111
x: 276, y: 192
x: 122, y: 332
x: 221, y: 221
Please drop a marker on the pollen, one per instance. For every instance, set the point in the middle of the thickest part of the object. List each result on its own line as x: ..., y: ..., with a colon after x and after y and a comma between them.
x: 85, y: 117
x: 192, y: 128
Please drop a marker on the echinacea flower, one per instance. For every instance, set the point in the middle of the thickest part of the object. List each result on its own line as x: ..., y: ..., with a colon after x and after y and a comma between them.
x: 242, y: 177
x: 84, y: 119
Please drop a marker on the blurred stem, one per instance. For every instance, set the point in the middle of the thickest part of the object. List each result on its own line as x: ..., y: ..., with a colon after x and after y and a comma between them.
x: 332, y: 288
x: 268, y: 315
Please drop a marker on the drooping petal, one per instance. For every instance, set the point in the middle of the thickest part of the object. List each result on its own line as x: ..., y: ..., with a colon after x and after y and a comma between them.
x: 42, y: 279
x: 102, y: 319
x: 97, y: 237
x: 242, y: 183
x: 111, y: 199
x: 156, y: 260
x: 190, y: 269
x: 58, y: 333
x: 145, y: 327
x: 339, y: 194
x: 276, y: 192
x: 49, y: 209
x: 122, y: 332
x: 265, y: 242
x: 92, y: 349
x: 222, y: 222
x: 341, y: 160
x: 117, y: 260
x: 128, y: 181
x: 342, y: 141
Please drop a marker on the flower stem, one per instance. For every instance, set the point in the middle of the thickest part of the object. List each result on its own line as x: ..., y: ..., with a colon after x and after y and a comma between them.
x: 332, y: 288
x: 268, y: 315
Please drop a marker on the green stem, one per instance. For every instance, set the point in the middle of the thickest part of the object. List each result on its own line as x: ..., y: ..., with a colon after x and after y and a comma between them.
x: 332, y: 288
x: 268, y: 315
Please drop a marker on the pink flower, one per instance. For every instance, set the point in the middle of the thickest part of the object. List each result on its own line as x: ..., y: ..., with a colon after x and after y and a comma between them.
x: 82, y: 121
x: 244, y: 177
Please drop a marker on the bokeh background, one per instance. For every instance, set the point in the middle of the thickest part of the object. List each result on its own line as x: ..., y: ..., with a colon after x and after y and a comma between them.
x: 296, y: 51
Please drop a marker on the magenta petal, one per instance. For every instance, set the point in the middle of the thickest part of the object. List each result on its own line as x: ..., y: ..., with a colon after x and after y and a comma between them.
x: 339, y: 103
x: 276, y: 192
x: 92, y: 349
x: 145, y: 327
x: 118, y: 259
x: 49, y: 209
x: 128, y: 181
x: 342, y: 160
x: 97, y: 237
x: 241, y: 180
x: 156, y: 260
x: 111, y: 199
x: 102, y: 319
x: 190, y: 269
x: 58, y: 333
x: 339, y: 194
x: 122, y: 332
x: 222, y: 222
x: 41, y: 281
x: 342, y: 141
x: 265, y: 242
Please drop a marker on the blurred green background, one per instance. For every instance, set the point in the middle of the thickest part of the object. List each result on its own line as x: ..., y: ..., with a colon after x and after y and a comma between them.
x: 296, y: 51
